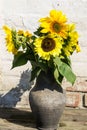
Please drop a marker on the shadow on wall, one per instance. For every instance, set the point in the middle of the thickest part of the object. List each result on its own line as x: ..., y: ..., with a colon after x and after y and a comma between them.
x: 11, y: 98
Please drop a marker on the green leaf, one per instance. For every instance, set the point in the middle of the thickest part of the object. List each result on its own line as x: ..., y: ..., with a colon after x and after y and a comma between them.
x: 35, y: 72
x: 43, y: 66
x: 30, y: 54
x: 38, y: 32
x: 60, y: 78
x: 57, y: 61
x: 65, y: 70
x: 56, y: 74
x: 19, y: 59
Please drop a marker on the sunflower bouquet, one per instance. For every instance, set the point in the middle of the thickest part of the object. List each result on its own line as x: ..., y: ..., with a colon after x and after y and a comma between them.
x: 48, y: 48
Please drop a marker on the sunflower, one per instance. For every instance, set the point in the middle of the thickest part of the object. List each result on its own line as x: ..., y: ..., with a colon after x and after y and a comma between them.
x: 71, y: 43
x: 48, y: 46
x: 9, y: 43
x: 26, y: 33
x: 55, y: 23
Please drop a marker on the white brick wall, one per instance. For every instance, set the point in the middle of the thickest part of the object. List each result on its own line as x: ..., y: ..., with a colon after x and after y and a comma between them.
x: 25, y: 14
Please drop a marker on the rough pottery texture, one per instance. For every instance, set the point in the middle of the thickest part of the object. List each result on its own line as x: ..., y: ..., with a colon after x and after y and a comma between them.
x: 47, y: 101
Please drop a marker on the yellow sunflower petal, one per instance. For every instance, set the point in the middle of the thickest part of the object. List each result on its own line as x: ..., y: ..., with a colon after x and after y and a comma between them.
x: 48, y: 46
x: 55, y: 23
x: 58, y: 16
x: 9, y: 43
x: 78, y: 48
x: 6, y: 29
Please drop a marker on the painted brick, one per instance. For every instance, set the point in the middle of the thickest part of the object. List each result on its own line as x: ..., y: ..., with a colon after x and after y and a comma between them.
x: 79, y: 68
x: 11, y: 81
x: 78, y: 57
x: 14, y: 21
x: 24, y: 101
x: 27, y: 6
x: 72, y: 99
x: 24, y: 14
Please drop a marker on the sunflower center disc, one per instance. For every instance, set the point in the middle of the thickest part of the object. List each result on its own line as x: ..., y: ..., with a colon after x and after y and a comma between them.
x: 48, y: 44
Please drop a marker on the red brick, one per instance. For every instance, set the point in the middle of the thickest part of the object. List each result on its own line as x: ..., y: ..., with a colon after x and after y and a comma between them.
x: 85, y: 100
x: 72, y: 99
x: 78, y: 87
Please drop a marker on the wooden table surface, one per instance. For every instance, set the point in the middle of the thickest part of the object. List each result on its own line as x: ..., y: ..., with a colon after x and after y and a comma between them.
x: 22, y: 119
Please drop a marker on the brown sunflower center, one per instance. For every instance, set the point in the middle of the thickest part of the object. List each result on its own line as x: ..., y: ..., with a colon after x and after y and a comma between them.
x: 48, y: 44
x: 56, y: 27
